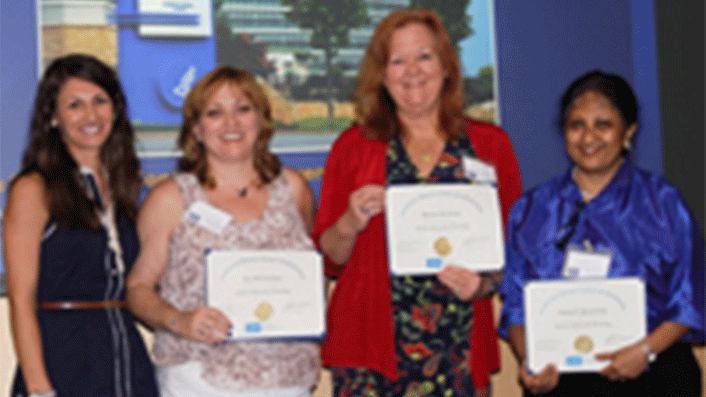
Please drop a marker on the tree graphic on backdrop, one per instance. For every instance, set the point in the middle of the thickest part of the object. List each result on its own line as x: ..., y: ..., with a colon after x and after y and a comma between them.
x: 458, y: 24
x: 330, y: 22
x: 240, y: 50
x: 453, y: 16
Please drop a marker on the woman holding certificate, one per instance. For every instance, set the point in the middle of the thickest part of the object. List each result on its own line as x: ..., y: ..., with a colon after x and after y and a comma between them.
x: 602, y: 221
x: 231, y: 194
x: 69, y: 239
x: 407, y: 335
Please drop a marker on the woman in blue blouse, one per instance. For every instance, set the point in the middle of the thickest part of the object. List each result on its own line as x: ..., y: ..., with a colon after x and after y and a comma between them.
x: 605, y: 202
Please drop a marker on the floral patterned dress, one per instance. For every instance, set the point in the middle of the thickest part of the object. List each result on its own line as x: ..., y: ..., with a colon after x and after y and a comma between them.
x: 432, y: 326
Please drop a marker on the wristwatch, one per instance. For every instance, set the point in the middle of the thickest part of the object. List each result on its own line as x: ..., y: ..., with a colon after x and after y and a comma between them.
x: 50, y: 393
x: 651, y: 356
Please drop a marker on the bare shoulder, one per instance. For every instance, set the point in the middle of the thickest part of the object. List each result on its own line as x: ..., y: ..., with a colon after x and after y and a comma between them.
x: 294, y: 177
x: 28, y: 184
x: 164, y: 199
x: 27, y: 204
x: 28, y: 191
x: 297, y: 183
x: 302, y: 194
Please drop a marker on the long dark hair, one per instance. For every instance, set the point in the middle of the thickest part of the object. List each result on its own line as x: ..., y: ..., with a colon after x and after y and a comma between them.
x: 46, y: 153
x: 194, y: 160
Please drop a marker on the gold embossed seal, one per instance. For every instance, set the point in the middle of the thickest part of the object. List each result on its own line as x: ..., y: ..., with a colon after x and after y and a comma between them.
x: 263, y: 311
x: 442, y: 246
x: 583, y: 344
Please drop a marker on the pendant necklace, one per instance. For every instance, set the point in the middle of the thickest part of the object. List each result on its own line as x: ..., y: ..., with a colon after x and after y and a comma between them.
x: 243, y: 191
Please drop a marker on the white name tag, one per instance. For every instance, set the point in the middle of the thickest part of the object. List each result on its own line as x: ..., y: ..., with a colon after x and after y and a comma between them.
x: 584, y: 264
x: 478, y: 171
x: 208, y: 216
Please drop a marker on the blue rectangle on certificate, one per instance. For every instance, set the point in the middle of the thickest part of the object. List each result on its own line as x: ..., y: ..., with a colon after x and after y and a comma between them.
x: 253, y: 327
x: 434, y: 263
x: 574, y: 361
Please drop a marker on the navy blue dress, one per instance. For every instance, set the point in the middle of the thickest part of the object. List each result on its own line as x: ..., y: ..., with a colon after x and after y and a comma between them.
x: 89, y: 352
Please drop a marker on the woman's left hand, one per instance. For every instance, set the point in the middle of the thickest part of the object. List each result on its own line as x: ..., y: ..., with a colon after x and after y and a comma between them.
x: 464, y: 283
x: 625, y: 364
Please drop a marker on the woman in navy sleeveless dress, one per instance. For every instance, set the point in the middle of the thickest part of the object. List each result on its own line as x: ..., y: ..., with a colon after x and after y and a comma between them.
x: 70, y: 239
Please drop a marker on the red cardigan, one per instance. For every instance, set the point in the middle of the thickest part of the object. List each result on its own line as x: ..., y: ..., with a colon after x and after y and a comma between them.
x: 359, y: 322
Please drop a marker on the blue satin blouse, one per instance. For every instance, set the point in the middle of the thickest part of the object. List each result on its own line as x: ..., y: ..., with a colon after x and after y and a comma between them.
x: 639, y: 216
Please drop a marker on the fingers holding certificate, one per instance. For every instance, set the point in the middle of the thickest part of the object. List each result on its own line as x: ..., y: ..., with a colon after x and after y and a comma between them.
x: 365, y: 203
x: 204, y: 324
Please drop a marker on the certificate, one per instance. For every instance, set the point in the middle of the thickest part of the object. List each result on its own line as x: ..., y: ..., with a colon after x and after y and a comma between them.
x: 430, y: 226
x: 567, y: 322
x: 268, y: 294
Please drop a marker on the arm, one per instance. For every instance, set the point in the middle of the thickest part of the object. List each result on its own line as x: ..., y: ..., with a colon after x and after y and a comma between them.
x: 337, y: 241
x: 685, y: 298
x: 26, y: 216
x: 630, y: 361
x: 340, y: 216
x: 158, y: 219
x: 542, y: 382
x: 517, y: 341
x: 303, y: 196
x: 512, y: 319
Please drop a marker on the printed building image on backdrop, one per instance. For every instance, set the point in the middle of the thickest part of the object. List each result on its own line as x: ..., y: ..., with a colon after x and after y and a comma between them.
x: 305, y: 53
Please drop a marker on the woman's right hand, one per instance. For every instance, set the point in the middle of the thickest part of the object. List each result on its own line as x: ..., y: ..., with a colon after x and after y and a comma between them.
x: 364, y: 203
x: 540, y: 383
x: 204, y: 324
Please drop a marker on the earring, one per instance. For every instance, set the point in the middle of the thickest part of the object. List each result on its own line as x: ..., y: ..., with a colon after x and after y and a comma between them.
x: 627, y: 146
x: 53, y: 123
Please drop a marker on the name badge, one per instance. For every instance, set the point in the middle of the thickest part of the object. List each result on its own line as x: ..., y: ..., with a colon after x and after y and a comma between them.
x: 208, y: 216
x: 478, y: 171
x: 586, y: 264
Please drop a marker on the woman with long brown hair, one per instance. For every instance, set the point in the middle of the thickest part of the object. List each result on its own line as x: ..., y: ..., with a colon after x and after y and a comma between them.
x: 69, y: 240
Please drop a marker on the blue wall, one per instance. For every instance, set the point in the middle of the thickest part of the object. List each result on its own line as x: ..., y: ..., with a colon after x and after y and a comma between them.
x: 543, y: 45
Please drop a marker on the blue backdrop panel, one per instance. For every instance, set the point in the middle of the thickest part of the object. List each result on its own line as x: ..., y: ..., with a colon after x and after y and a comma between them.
x: 543, y: 45
x: 18, y: 78
x: 157, y: 73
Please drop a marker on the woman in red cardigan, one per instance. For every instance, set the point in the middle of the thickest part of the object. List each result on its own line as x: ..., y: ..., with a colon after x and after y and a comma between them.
x: 426, y: 335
